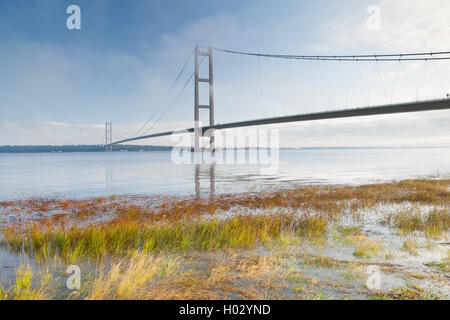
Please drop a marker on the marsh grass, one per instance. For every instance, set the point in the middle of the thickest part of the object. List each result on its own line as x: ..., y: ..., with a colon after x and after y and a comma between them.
x: 166, y: 276
x: 434, y: 223
x: 312, y: 227
x: 24, y: 288
x: 141, y: 250
x: 121, y: 238
x: 354, y: 272
x: 347, y: 231
x: 330, y: 201
x: 410, y: 246
x: 367, y: 248
x: 131, y: 278
x: 410, y: 292
x: 147, y: 276
x: 443, y: 265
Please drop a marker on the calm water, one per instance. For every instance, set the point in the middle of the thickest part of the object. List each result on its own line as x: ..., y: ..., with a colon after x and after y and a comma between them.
x: 95, y: 174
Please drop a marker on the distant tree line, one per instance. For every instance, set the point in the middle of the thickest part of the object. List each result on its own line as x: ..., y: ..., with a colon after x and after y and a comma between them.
x: 79, y: 148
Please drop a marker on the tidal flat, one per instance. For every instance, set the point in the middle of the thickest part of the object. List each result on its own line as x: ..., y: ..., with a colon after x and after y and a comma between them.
x: 376, y: 241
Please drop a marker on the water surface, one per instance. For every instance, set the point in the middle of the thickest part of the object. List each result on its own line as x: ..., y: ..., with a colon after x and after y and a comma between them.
x: 99, y: 174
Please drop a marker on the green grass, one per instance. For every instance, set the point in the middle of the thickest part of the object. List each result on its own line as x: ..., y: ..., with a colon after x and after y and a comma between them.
x: 443, y: 266
x: 163, y: 252
x: 98, y: 241
x: 407, y: 293
x: 23, y: 288
x: 435, y: 223
x: 367, y: 249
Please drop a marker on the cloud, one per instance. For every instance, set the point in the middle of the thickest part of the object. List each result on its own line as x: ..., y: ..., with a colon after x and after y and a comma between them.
x: 404, y: 26
x: 59, y: 94
x: 56, y: 133
x: 407, y: 25
x: 71, y: 125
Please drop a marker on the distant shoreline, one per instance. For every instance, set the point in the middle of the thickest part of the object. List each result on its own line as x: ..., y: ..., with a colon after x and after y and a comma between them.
x: 143, y: 148
x: 79, y: 148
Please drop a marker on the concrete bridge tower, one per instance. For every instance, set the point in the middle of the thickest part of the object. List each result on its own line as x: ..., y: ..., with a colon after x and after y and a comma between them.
x: 108, y: 136
x: 198, y: 134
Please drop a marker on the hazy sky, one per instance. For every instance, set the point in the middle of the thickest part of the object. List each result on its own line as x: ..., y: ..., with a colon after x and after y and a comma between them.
x: 59, y: 86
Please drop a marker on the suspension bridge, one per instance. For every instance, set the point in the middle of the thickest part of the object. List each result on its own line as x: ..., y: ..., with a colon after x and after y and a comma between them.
x: 200, y: 131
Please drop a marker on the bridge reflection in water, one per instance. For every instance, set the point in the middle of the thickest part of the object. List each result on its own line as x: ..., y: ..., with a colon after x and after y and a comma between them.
x: 206, y: 170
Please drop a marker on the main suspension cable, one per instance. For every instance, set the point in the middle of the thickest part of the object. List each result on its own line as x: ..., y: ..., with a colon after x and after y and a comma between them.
x: 174, y: 100
x: 417, y: 56
x: 168, y: 93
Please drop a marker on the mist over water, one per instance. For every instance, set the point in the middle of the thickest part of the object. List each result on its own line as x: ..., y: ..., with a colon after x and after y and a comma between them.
x: 82, y: 175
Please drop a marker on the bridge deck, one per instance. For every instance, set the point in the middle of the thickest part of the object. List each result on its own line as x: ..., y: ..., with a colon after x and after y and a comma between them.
x: 429, y: 105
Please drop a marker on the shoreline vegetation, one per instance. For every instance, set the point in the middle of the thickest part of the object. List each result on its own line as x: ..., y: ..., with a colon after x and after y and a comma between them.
x: 312, y: 242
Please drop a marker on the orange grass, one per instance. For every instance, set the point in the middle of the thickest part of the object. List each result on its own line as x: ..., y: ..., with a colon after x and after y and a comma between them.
x: 328, y: 200
x: 175, y: 225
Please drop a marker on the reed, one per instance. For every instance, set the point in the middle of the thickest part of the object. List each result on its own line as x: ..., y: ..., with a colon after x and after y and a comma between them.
x: 144, y: 249
x: 435, y: 223
x: 121, y: 238
x: 24, y: 289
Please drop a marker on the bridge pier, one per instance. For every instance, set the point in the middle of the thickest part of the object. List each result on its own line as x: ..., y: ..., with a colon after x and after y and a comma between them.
x: 108, y: 136
x: 212, y: 180
x: 198, y: 132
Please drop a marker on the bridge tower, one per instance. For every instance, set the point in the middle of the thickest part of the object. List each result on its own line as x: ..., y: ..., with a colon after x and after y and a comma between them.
x: 198, y: 130
x: 108, y: 136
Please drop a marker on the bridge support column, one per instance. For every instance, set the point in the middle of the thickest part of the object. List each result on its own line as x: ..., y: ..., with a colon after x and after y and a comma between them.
x: 108, y: 136
x: 198, y: 133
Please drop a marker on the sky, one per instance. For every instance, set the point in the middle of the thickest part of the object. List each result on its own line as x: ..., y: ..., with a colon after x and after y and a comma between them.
x: 59, y: 86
